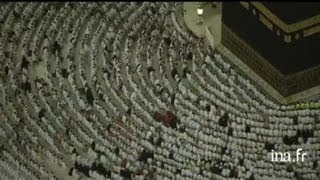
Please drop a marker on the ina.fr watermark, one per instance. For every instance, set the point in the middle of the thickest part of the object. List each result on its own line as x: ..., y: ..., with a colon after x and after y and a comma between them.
x: 299, y: 156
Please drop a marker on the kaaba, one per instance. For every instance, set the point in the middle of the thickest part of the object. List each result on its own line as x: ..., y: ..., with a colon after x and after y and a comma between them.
x: 280, y: 41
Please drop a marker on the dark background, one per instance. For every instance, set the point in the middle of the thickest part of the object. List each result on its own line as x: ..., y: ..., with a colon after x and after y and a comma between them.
x: 291, y: 12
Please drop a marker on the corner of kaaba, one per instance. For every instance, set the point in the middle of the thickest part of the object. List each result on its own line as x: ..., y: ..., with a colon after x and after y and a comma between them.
x: 278, y: 41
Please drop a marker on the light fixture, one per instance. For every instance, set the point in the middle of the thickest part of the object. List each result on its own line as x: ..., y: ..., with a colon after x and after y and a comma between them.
x: 199, y: 11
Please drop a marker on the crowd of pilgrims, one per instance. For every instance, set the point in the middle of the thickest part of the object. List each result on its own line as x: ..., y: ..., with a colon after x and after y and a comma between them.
x: 123, y: 90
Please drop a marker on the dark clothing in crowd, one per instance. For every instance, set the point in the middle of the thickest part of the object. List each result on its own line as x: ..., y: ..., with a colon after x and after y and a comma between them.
x: 25, y: 63
x: 7, y: 54
x: 86, y: 169
x: 190, y: 55
x: 185, y: 72
x: 300, y: 133
x: 251, y: 177
x: 101, y: 97
x: 182, y: 129
x: 230, y: 132
x: 64, y: 73
x: 145, y: 155
x: 223, y: 150
x: 56, y: 47
x: 234, y: 172
x: 82, y: 91
x: 26, y: 86
x: 67, y: 132
x: 241, y: 162
x: 223, y: 121
x: 169, y: 119
x: 158, y: 142
x: 171, y: 155
x: 70, y: 171
x: 167, y: 40
x: 30, y: 52
x: 173, y: 96
x: 11, y: 33
x: 174, y: 72
x: 289, y: 168
x: 315, y: 164
x: 215, y: 169
x: 150, y: 69
x: 129, y: 111
x: 107, y: 72
x: 126, y: 174
x: 101, y: 170
x: 248, y: 129
x: 6, y: 70
x: 116, y: 151
x: 89, y: 96
x: 297, y: 175
x: 81, y: 168
x: 109, y: 127
x: 1, y: 148
x: 295, y: 120
x: 123, y: 163
x: 305, y: 134
x: 208, y: 108
x: 93, y: 145
x: 74, y: 151
x: 41, y: 113
x: 269, y: 146
x: 290, y: 140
